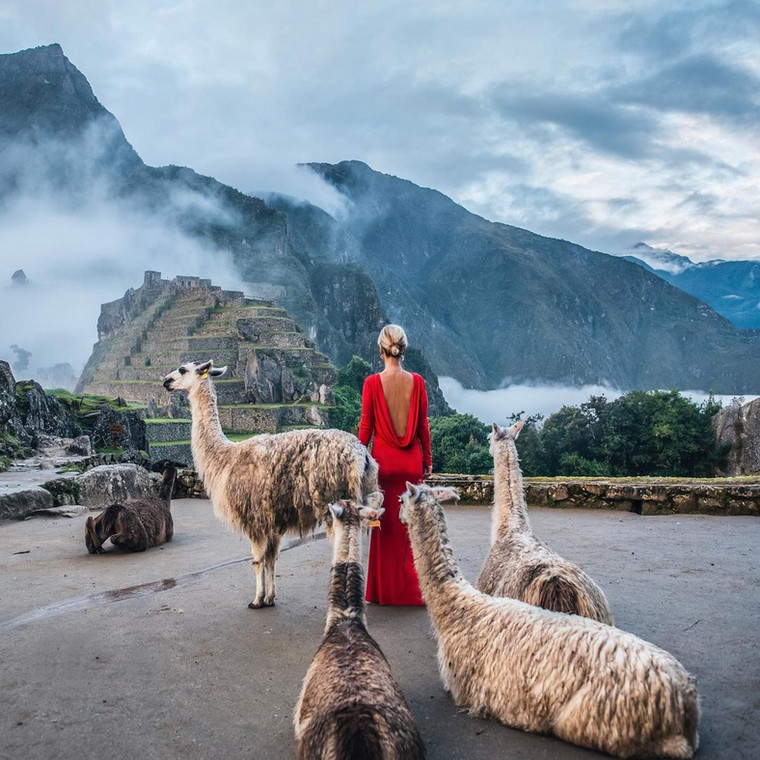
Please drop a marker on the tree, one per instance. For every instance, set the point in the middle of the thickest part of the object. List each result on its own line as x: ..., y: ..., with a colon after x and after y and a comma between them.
x: 460, y: 444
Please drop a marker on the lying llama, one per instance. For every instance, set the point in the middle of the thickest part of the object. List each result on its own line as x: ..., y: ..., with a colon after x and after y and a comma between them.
x: 518, y: 564
x: 544, y: 671
x: 269, y: 484
x: 350, y: 705
x: 135, y: 524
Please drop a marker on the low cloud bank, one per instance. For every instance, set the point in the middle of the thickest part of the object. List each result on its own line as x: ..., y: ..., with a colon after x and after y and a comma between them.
x: 497, y: 405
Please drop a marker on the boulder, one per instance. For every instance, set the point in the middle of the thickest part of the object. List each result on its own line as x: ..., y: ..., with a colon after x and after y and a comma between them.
x: 738, y: 428
x: 81, y: 446
x: 108, y: 484
x: 24, y: 501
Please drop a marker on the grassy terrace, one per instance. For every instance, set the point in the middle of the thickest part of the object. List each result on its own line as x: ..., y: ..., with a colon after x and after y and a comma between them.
x: 166, y: 420
x: 272, y: 406
x: 643, y: 479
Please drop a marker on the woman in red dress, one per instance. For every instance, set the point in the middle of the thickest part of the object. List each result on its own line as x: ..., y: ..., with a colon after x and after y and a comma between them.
x: 394, y: 416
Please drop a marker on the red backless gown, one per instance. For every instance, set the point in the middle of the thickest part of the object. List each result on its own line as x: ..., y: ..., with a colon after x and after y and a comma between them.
x: 391, y: 578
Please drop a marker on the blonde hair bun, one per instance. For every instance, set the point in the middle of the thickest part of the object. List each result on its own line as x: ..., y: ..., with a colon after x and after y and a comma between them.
x: 392, y: 340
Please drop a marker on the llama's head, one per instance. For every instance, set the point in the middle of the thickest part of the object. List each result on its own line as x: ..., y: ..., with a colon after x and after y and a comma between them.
x: 504, y: 434
x: 347, y: 513
x: 190, y: 374
x: 420, y: 498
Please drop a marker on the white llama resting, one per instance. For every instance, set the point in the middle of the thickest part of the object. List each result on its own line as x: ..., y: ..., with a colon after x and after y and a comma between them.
x: 518, y: 564
x: 270, y: 484
x: 543, y: 671
x: 350, y: 705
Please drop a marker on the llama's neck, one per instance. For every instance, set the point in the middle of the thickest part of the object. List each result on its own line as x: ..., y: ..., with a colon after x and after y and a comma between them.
x: 510, y: 512
x: 345, y: 598
x: 206, y: 434
x: 441, y: 582
x: 167, y: 484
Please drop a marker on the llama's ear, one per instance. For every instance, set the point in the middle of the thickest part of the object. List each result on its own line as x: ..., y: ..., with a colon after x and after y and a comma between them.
x: 445, y: 493
x: 514, y: 431
x: 203, y: 369
x: 336, y: 511
x: 217, y: 371
x: 412, y: 489
x: 375, y: 500
x: 496, y: 429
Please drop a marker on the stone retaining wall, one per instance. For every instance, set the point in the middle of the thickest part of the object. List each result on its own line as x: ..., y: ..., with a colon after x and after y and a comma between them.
x: 720, y: 497
x: 646, y: 497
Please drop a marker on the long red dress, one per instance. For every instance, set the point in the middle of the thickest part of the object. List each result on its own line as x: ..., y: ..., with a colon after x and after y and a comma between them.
x: 391, y: 577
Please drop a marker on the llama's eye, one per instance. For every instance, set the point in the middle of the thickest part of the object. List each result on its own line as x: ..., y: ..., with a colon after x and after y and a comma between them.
x: 182, y: 370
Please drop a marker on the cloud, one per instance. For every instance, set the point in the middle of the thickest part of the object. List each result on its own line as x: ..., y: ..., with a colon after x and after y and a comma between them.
x: 81, y: 246
x: 600, y: 105
x: 498, y: 405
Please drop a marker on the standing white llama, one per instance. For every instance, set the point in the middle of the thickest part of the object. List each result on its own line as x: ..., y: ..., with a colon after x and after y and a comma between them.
x: 547, y: 672
x: 350, y: 704
x: 518, y: 564
x: 270, y: 484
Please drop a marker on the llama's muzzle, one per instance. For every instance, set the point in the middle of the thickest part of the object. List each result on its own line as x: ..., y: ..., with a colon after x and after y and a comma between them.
x: 168, y: 383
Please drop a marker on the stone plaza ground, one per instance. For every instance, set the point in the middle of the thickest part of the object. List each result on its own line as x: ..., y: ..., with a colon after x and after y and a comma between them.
x: 156, y: 655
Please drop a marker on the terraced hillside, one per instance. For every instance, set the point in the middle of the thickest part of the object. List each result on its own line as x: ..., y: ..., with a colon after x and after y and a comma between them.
x: 276, y: 378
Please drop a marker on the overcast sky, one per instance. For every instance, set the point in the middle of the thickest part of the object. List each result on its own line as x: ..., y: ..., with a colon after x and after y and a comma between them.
x: 603, y: 122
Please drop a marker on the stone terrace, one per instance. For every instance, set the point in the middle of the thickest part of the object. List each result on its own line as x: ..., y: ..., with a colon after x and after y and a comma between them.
x: 276, y: 377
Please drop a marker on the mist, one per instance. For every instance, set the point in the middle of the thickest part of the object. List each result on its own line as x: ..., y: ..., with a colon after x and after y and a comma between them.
x: 498, y: 405
x: 80, y: 245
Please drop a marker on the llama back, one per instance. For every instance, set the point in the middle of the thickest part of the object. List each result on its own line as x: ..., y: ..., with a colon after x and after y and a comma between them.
x: 521, y: 567
x: 314, y: 468
x: 350, y: 704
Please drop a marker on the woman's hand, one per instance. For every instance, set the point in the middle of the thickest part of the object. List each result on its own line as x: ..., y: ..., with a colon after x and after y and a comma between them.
x: 427, y: 471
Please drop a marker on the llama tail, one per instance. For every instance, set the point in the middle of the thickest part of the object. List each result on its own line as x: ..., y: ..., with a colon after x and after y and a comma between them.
x: 556, y: 593
x: 357, y: 735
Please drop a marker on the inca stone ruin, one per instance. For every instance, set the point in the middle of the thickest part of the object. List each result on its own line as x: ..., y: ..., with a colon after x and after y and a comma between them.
x: 276, y: 378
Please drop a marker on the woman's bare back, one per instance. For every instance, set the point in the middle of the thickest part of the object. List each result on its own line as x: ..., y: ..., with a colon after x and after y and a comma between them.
x: 397, y: 389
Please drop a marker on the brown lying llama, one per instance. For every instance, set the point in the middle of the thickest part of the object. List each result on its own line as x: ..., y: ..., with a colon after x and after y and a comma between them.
x: 547, y: 672
x: 135, y: 524
x: 270, y: 484
x: 518, y: 564
x: 350, y: 705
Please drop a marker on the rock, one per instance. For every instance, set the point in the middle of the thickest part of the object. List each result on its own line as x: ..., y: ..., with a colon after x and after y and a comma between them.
x: 43, y: 413
x: 15, y: 440
x: 108, y: 484
x: 81, y: 446
x: 73, y: 510
x: 125, y: 429
x: 738, y: 428
x: 20, y: 503
x: 65, y: 491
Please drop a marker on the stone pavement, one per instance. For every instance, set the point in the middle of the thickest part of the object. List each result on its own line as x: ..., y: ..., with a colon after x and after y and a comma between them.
x: 157, y: 656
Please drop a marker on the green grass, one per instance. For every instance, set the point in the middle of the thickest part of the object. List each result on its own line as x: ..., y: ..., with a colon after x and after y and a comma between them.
x: 166, y: 420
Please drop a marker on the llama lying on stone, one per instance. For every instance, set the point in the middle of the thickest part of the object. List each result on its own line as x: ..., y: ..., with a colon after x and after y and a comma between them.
x: 518, y: 564
x: 350, y: 705
x: 543, y: 671
x: 270, y: 484
x: 135, y: 524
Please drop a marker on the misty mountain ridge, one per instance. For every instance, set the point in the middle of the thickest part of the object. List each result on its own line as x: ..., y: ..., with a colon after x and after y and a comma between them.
x: 732, y: 288
x: 488, y: 303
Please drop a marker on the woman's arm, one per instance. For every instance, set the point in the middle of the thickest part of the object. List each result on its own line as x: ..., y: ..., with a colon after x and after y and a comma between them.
x: 424, y: 434
x: 367, y: 422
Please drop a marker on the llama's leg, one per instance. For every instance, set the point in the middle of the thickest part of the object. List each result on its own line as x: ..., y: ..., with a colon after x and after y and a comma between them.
x: 258, y: 550
x: 270, y: 562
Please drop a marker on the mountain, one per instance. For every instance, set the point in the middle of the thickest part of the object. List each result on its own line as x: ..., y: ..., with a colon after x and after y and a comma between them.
x: 494, y: 304
x: 488, y: 303
x: 732, y: 288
